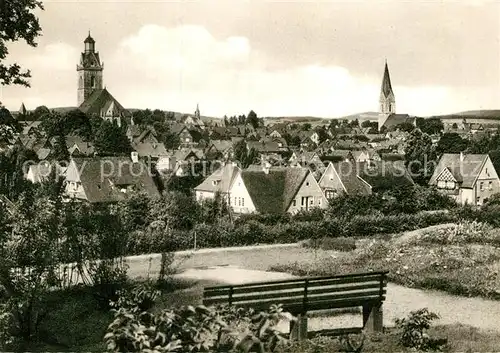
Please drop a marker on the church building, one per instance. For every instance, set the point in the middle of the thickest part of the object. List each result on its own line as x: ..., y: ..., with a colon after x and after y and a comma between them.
x: 387, y: 111
x: 93, y: 99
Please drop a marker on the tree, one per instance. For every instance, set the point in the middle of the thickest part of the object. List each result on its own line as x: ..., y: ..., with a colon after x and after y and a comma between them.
x: 60, y: 150
x: 406, y: 127
x: 306, y: 127
x: 420, y: 156
x: 252, y: 119
x: 171, y: 140
x: 40, y: 112
x: 18, y: 21
x: 430, y: 126
x: 13, y: 166
x: 451, y: 143
x: 244, y: 155
x: 110, y: 140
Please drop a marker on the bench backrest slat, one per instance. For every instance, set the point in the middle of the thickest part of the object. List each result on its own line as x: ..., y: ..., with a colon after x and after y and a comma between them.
x: 304, y: 293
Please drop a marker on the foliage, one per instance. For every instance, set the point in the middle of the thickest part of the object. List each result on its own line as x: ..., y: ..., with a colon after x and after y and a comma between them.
x: 110, y: 140
x: 73, y: 122
x: 195, y: 329
x: 339, y: 244
x: 451, y: 143
x: 18, y: 21
x: 252, y: 119
x: 60, y: 150
x: 430, y: 126
x: 420, y: 156
x: 413, y: 330
x: 244, y: 155
x: 13, y: 166
x: 139, y: 298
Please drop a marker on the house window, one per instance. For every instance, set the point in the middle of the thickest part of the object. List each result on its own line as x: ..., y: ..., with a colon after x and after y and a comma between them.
x: 330, y: 194
x: 311, y: 201
x: 294, y: 203
x: 243, y: 202
x: 441, y: 184
x: 307, y: 184
x: 235, y: 201
x: 477, y: 200
x: 450, y: 185
x: 303, y: 201
x: 92, y: 81
x: 490, y: 185
x: 319, y: 201
x: 481, y: 186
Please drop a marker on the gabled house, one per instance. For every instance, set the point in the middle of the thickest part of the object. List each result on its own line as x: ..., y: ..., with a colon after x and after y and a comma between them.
x: 360, y: 156
x: 468, y: 178
x: 270, y: 190
x: 342, y: 178
x: 79, y: 147
x: 139, y: 134
x: 152, y: 150
x: 107, y: 179
x: 178, y: 162
x: 363, y: 178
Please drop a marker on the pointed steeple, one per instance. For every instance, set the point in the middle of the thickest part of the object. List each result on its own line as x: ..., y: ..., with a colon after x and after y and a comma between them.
x: 387, y: 99
x: 22, y: 110
x: 197, y: 112
x: 386, y: 82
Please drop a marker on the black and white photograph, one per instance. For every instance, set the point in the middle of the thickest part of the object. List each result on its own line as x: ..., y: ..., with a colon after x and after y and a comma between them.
x: 250, y: 176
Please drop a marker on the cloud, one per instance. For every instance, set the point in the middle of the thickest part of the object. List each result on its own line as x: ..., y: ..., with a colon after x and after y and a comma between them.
x: 174, y: 68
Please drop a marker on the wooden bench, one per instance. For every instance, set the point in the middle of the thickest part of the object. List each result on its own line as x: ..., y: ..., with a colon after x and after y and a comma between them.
x: 302, y: 295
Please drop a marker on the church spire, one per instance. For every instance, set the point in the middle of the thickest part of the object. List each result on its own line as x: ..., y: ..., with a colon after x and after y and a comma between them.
x: 387, y: 99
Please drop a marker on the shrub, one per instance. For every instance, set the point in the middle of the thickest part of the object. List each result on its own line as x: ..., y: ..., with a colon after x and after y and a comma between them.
x: 340, y: 244
x: 139, y: 298
x: 195, y: 329
x: 413, y: 330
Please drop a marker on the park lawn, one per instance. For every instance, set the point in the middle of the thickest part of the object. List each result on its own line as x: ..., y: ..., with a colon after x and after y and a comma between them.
x: 460, y: 338
x: 461, y: 262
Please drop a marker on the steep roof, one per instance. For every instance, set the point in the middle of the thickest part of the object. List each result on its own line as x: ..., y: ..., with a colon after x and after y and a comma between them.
x: 386, y: 89
x: 273, y: 192
x: 220, y: 180
x: 150, y: 149
x: 384, y: 175
x: 348, y: 175
x: 397, y: 119
x: 103, y: 178
x: 100, y: 99
x: 464, y: 172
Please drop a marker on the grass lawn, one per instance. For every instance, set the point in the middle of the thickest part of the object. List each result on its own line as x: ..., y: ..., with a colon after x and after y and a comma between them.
x: 460, y: 339
x: 459, y: 259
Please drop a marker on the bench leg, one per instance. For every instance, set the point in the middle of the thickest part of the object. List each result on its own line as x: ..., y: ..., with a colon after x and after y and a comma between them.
x: 373, y: 318
x: 298, y: 329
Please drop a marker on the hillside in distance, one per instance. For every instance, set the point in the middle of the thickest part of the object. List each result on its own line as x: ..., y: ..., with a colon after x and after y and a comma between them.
x: 477, y: 114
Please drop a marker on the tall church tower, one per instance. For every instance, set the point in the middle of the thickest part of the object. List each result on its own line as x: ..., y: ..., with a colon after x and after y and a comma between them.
x: 89, y: 71
x: 387, y: 100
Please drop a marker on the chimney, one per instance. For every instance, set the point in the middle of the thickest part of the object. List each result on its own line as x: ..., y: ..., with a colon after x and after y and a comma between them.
x: 134, y: 156
x: 462, y: 156
x: 265, y: 167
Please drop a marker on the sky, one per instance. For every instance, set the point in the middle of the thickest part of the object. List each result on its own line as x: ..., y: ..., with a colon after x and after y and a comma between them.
x: 279, y: 58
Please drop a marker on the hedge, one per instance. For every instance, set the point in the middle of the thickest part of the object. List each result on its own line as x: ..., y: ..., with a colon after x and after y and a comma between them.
x: 252, y: 232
